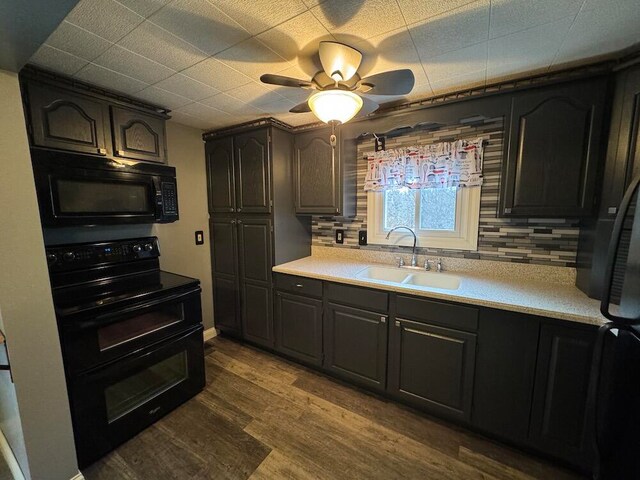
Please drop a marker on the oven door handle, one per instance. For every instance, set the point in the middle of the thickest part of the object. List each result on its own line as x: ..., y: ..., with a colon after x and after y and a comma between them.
x: 112, y: 317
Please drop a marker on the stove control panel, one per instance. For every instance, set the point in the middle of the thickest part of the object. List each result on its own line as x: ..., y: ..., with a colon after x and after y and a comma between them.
x: 87, y: 255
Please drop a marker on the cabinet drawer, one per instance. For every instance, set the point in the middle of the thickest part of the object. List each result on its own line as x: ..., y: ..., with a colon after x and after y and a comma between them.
x: 299, y: 285
x: 437, y: 313
x: 358, y: 297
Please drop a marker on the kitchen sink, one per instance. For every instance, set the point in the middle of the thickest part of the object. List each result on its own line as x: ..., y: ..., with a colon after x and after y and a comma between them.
x: 411, y: 278
x: 394, y: 275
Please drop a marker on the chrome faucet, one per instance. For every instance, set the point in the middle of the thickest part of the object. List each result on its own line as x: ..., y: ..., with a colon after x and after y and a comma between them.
x: 439, y: 265
x: 414, y: 259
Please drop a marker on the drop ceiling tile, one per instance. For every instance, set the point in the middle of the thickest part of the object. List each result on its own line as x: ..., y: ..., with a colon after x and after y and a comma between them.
x: 508, y: 16
x: 526, y: 50
x: 601, y: 28
x: 297, y: 119
x: 253, y: 93
x: 163, y: 98
x: 277, y: 106
x: 129, y: 63
x: 216, y: 74
x: 187, y: 87
x: 188, y: 120
x: 459, y: 82
x: 359, y: 19
x: 155, y: 43
x: 467, y: 62
x: 204, y: 112
x: 416, y: 10
x: 109, y: 79
x: 259, y: 15
x: 233, y: 106
x: 107, y: 18
x: 298, y: 36
x: 144, y: 7
x: 452, y: 30
x: 201, y: 24
x: 57, y: 60
x: 77, y: 41
x: 252, y: 58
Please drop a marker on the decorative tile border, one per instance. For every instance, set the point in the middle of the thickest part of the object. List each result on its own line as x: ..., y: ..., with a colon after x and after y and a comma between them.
x: 523, y: 240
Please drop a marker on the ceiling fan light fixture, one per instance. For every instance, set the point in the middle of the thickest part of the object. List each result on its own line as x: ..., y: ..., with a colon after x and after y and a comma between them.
x: 335, y: 105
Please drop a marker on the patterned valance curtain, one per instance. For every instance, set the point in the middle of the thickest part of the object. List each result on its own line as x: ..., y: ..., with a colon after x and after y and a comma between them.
x: 440, y: 165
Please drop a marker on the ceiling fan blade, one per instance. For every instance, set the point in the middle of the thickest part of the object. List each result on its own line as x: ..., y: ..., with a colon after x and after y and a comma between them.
x: 339, y: 61
x: 368, y: 106
x: 394, y: 82
x: 301, y: 108
x: 285, y: 81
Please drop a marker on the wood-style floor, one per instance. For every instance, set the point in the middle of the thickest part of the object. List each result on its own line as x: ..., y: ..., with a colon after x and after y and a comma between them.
x: 261, y: 417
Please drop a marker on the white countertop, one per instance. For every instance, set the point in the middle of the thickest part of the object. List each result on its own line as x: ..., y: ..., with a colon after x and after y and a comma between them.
x: 535, y: 297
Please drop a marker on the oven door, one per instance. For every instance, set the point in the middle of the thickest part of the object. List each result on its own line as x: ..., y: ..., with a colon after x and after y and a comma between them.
x: 73, y: 196
x: 91, y: 341
x: 113, y: 403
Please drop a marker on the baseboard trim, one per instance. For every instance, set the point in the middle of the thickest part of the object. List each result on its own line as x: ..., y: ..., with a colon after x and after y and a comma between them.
x: 209, y: 333
x: 78, y: 476
x: 10, y: 458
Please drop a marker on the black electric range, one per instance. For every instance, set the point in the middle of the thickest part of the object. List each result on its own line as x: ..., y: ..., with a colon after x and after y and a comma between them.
x: 131, y: 338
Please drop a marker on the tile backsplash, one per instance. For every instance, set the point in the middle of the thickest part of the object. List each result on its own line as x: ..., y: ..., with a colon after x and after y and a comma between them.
x: 525, y: 240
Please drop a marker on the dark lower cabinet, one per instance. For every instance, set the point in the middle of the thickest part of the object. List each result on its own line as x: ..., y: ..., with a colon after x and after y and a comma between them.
x: 226, y: 304
x: 355, y: 345
x: 298, y: 327
x: 432, y: 367
x: 257, y: 316
x: 559, y: 423
x: 226, y: 298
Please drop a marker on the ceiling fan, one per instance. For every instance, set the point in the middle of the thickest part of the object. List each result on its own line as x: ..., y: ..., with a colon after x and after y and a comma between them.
x: 339, y: 88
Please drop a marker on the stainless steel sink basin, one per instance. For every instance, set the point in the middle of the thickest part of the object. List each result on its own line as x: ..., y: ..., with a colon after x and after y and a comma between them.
x: 433, y: 280
x: 411, y: 278
x: 393, y: 275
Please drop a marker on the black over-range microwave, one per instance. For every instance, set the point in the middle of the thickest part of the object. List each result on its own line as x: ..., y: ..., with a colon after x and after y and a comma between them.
x: 75, y: 189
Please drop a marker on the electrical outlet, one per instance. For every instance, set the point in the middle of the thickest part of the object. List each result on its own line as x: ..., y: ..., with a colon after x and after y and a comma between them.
x: 199, y: 237
x: 339, y: 236
x: 362, y: 237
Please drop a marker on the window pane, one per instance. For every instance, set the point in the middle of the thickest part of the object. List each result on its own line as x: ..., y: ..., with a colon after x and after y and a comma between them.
x: 438, y: 208
x: 399, y: 208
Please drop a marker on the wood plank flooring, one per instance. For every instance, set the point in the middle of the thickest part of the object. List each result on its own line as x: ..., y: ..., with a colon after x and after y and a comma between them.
x: 261, y: 417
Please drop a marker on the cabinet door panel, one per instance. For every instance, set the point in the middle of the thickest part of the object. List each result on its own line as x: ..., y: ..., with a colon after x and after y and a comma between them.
x: 433, y: 367
x: 226, y: 303
x: 554, y: 151
x: 64, y: 120
x: 253, y: 192
x: 355, y: 343
x: 316, y: 174
x: 255, y: 249
x: 299, y: 327
x: 138, y: 136
x: 558, y: 417
x: 223, y: 246
x: 220, y: 175
x: 257, y: 307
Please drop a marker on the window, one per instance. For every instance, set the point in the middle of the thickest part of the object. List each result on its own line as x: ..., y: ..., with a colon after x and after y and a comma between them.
x: 441, y: 217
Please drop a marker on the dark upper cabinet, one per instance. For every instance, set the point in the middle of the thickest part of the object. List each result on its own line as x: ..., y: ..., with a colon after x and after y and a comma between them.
x: 432, y: 367
x: 65, y: 120
x: 558, y: 416
x: 553, y: 152
x: 138, y: 136
x: 253, y: 176
x: 324, y: 180
x: 226, y: 297
x: 504, y: 373
x: 220, y: 175
x: 355, y: 345
x: 298, y: 327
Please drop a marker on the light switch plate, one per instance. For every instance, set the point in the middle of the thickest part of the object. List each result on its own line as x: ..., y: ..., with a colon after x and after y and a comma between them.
x: 339, y: 235
x: 362, y: 237
x: 199, y: 237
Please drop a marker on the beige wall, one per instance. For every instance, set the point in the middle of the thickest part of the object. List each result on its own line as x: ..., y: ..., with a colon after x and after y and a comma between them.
x: 28, y: 317
x: 179, y: 253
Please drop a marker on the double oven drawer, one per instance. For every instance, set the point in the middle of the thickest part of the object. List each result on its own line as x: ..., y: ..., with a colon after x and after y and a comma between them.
x: 92, y: 340
x: 112, y: 403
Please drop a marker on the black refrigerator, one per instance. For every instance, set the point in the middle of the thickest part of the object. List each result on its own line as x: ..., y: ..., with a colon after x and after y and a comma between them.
x: 615, y: 395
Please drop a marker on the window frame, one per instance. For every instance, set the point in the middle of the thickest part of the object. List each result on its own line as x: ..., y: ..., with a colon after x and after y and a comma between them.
x: 464, y: 237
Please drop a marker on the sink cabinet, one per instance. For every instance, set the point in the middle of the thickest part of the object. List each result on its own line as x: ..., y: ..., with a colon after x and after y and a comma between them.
x: 520, y: 378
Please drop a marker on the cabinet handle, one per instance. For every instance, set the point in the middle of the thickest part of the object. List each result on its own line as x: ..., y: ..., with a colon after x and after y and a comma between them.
x: 397, y: 323
x: 233, y: 222
x: 383, y: 319
x: 299, y: 285
x: 102, y: 151
x: 239, y: 222
x: 232, y: 210
x: 239, y: 209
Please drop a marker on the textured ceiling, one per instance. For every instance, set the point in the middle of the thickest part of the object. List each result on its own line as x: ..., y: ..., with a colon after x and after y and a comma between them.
x: 203, y: 58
